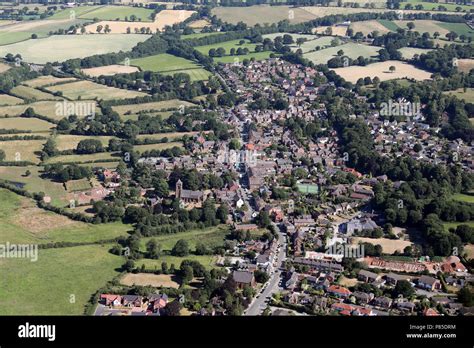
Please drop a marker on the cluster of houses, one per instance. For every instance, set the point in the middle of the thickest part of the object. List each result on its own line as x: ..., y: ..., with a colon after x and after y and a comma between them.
x: 151, y: 305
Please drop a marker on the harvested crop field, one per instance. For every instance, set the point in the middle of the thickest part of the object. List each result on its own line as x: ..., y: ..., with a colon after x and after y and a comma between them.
x: 465, y: 65
x: 91, y: 90
x: 367, y: 27
x: 262, y: 14
x: 62, y: 47
x: 48, y: 80
x: 335, y: 30
x: 381, y: 70
x: 389, y: 246
x: 6, y: 99
x: 162, y: 19
x: 52, y: 109
x: 109, y: 70
x: 199, y: 24
x: 146, y: 279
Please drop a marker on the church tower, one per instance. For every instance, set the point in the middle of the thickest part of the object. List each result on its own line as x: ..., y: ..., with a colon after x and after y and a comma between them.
x: 178, y: 189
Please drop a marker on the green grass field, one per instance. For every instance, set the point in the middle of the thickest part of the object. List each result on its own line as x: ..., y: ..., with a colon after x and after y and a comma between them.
x: 32, y: 94
x: 89, y: 90
x: 208, y: 261
x: 428, y: 6
x: 228, y: 45
x: 72, y: 46
x: 388, y: 24
x: 7, y: 38
x: 459, y: 28
x: 22, y: 150
x: 59, y: 283
x: 160, y: 146
x: 81, y: 158
x: 125, y: 110
x: 304, y: 188
x: 352, y: 50
x: 211, y: 237
x: 170, y: 65
x: 461, y: 197
x: 468, y: 96
x: 76, y: 12
x: 448, y: 225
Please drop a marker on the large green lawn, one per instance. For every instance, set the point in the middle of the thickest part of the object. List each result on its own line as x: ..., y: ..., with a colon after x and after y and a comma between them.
x: 211, y: 237
x: 170, y: 65
x: 60, y: 282
x: 228, y: 45
x: 352, y: 50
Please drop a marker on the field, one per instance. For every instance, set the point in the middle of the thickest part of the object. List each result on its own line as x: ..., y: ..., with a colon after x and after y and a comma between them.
x: 29, y: 93
x: 425, y: 26
x: 409, y: 52
x: 381, y: 70
x: 461, y: 197
x: 335, y: 30
x: 199, y: 24
x: 228, y: 45
x: 262, y: 14
x: 367, y: 27
x: 69, y: 142
x: 116, y: 13
x: 173, y: 135
x: 109, y: 70
x: 50, y: 109
x: 78, y: 185
x: 7, y: 38
x: 23, y: 222
x: 449, y: 225
x: 211, y: 237
x: 63, y: 47
x: 4, y: 67
x: 42, y: 28
x: 25, y: 124
x: 52, y: 284
x: 146, y: 279
x: 389, y: 246
x: 352, y: 50
x: 208, y: 261
x: 311, y: 45
x: 465, y: 65
x: 162, y: 19
x: 48, y: 80
x: 434, y: 6
x: 6, y: 99
x: 73, y: 12
x: 459, y: 28
x: 22, y: 150
x: 468, y: 96
x: 101, y: 156
x: 91, y: 90
x: 149, y: 107
x: 170, y: 65
x: 161, y: 146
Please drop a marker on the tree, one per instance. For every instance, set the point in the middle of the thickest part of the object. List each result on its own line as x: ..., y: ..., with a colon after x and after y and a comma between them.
x: 403, y: 288
x: 164, y: 267
x: 465, y: 296
x: 181, y: 248
x: 49, y: 148
x: 392, y: 68
x: 187, y: 274
x: 34, y: 36
x: 88, y: 146
x: 2, y: 155
x: 173, y: 308
x: 153, y: 249
x: 410, y: 25
x: 99, y: 28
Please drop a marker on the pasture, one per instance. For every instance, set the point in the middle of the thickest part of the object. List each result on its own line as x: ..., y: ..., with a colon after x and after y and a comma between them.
x: 367, y: 27
x: 409, y: 52
x: 25, y: 124
x: 63, y: 47
x: 169, y: 65
x: 48, y: 80
x: 208, y: 261
x: 352, y: 50
x: 160, y: 146
x: 52, y: 284
x: 91, y: 90
x: 151, y: 107
x: 22, y: 150
x: 467, y: 95
x: 69, y: 141
x: 116, y: 13
x: 89, y: 158
x: 29, y: 93
x: 52, y: 109
x: 381, y: 70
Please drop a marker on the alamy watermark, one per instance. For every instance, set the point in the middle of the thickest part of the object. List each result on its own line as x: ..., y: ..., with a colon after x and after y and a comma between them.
x: 345, y: 250
x: 19, y: 251
x: 400, y: 108
x: 67, y: 108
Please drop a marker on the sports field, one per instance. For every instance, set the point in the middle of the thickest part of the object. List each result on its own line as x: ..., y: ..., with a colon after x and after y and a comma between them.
x: 63, y: 47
